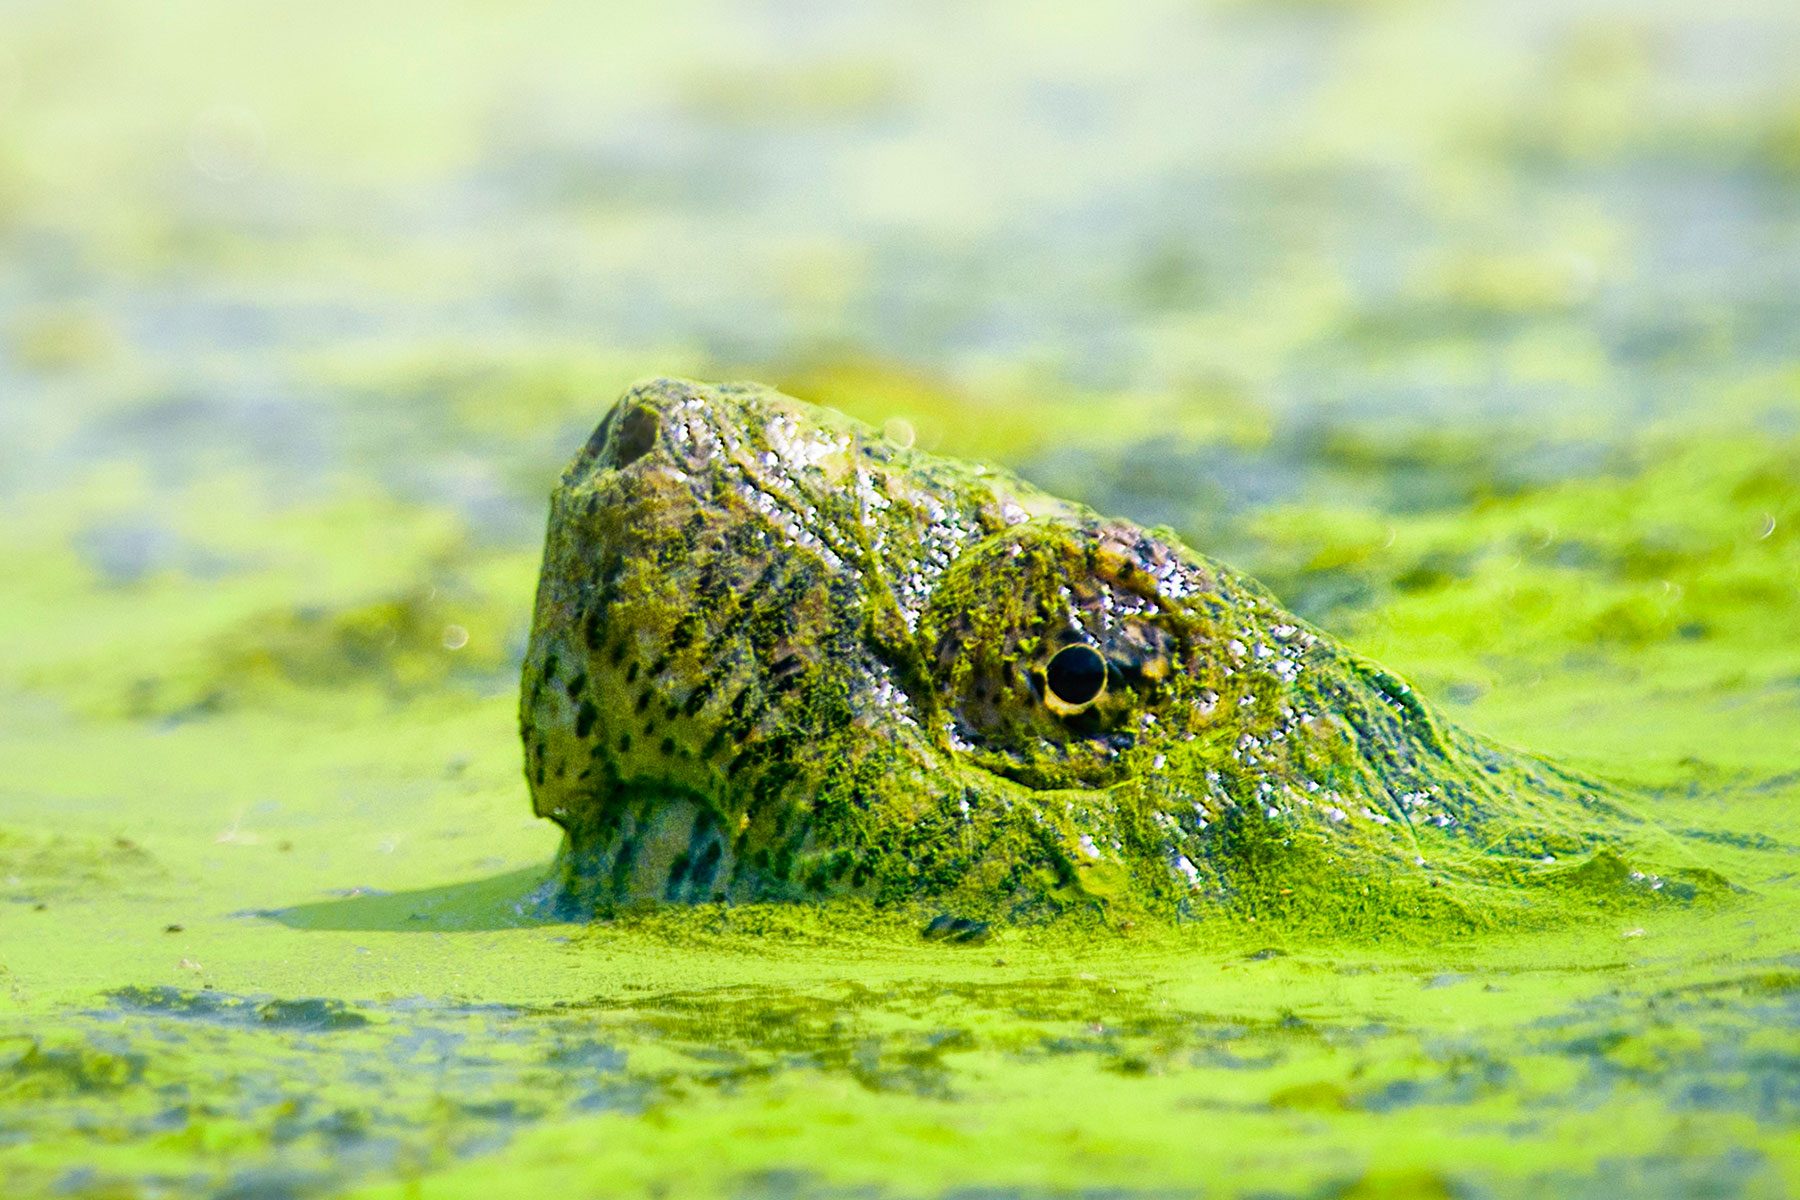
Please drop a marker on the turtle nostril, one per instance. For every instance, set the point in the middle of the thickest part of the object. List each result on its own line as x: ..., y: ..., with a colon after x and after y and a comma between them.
x: 633, y: 437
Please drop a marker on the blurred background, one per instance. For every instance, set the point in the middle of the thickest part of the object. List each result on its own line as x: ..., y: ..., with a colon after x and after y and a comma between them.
x: 303, y: 306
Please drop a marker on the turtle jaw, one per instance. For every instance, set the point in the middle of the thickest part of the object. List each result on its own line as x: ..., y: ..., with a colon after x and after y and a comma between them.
x: 644, y: 845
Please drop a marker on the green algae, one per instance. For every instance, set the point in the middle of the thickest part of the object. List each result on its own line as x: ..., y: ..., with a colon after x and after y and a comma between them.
x: 1470, y: 335
x: 191, y: 1008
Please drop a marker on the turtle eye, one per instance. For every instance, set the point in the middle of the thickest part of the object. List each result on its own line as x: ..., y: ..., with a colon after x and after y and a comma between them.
x: 1076, y: 676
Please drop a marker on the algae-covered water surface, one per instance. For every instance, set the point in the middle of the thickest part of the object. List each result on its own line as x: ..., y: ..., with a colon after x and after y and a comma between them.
x: 1471, y: 331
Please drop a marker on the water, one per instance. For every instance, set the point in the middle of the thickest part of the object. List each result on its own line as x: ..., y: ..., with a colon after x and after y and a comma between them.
x: 1469, y: 329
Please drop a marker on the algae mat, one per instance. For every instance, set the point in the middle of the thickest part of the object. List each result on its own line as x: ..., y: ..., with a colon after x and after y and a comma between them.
x: 275, y: 942
x: 1469, y: 329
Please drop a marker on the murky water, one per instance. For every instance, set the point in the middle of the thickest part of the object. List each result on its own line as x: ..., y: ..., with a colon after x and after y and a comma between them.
x: 1469, y: 329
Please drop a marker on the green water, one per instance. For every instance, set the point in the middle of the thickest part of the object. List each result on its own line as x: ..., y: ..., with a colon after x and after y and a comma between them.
x: 1471, y: 330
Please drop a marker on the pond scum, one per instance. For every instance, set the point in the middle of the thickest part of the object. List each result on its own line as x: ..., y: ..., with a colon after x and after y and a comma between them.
x: 1473, y: 340
x: 270, y: 925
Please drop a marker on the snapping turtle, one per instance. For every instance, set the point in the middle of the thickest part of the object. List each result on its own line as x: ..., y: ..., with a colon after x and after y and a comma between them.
x: 776, y: 656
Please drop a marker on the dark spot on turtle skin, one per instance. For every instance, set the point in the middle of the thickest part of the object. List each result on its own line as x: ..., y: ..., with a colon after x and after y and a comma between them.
x: 683, y: 636
x: 947, y: 928
x: 707, y: 865
x: 622, y: 863
x: 1124, y: 672
x: 585, y: 717
x: 677, y: 872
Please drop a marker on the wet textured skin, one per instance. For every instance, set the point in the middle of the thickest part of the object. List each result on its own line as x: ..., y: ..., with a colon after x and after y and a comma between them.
x: 777, y: 657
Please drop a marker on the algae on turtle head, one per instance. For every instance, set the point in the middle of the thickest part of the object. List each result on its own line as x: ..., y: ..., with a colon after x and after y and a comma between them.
x: 775, y: 656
